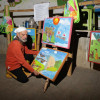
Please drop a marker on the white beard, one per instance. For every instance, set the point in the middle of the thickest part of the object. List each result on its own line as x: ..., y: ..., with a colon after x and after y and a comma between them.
x: 25, y: 40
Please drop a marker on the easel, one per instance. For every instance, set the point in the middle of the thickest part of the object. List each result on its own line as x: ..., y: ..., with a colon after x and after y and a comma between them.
x: 68, y: 74
x: 46, y: 85
x: 55, y: 48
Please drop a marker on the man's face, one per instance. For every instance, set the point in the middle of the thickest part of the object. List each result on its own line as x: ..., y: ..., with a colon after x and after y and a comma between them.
x: 22, y: 36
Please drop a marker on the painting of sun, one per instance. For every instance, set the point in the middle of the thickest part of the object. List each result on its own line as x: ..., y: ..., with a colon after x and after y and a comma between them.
x: 57, y: 31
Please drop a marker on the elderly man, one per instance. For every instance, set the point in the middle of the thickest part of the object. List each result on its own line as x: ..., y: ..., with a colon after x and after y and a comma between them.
x: 15, y: 57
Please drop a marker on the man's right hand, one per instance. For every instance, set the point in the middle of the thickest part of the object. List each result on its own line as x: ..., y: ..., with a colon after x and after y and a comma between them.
x: 35, y: 73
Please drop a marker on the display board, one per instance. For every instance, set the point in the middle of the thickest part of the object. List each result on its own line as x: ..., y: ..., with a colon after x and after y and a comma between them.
x: 57, y: 31
x: 31, y: 40
x: 49, y: 62
x: 94, y: 47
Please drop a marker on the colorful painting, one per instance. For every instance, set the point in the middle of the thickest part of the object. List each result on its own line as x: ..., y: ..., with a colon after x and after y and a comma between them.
x: 57, y: 31
x: 6, y: 25
x: 49, y: 62
x: 94, y: 47
x: 71, y: 9
x: 31, y: 37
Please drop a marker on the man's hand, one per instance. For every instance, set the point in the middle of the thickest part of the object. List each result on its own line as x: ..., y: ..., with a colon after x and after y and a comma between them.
x: 35, y: 73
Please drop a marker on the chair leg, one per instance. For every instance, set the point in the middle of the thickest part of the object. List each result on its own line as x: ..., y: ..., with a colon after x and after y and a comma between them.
x: 10, y: 75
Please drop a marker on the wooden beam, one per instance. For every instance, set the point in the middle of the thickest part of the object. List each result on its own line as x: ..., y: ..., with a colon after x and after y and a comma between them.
x: 22, y: 10
x: 29, y: 10
x: 38, y: 37
x: 82, y: 30
x: 7, y: 14
x: 6, y: 10
x: 89, y: 2
x: 85, y: 30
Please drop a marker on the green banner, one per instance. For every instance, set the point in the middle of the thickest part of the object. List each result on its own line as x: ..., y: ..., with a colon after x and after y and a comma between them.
x: 61, y: 2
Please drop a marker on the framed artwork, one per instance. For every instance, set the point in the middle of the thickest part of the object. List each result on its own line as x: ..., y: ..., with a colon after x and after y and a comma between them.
x: 31, y: 40
x: 94, y: 47
x: 49, y: 62
x: 13, y: 34
x: 57, y: 31
x: 6, y: 25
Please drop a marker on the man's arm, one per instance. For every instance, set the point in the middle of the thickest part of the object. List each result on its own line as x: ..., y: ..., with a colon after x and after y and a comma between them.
x: 20, y: 58
x: 28, y: 51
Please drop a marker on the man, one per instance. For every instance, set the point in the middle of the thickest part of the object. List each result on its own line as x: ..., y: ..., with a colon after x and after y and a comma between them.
x: 15, y: 57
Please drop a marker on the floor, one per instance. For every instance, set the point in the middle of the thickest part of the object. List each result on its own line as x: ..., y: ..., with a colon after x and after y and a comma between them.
x: 83, y: 84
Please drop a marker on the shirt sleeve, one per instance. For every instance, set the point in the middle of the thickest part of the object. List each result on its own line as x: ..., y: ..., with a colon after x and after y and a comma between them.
x: 28, y: 51
x: 20, y: 57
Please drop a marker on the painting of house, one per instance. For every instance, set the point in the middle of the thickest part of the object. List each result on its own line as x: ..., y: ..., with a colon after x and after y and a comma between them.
x: 94, y: 47
x: 31, y: 37
x: 57, y: 31
x: 49, y: 62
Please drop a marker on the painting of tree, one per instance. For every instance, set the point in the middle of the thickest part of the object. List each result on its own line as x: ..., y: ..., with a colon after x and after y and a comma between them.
x: 57, y: 31
x: 94, y: 47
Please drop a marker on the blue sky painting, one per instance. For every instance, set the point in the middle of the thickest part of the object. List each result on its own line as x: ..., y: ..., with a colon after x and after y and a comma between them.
x: 62, y: 32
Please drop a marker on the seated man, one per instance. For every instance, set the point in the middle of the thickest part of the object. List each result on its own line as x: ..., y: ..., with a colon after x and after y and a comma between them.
x: 15, y: 57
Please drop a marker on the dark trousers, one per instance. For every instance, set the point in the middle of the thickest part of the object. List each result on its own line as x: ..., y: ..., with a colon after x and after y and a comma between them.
x: 21, y: 77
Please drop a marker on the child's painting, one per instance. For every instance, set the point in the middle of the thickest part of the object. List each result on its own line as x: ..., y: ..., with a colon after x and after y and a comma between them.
x: 31, y: 40
x: 49, y: 62
x: 94, y: 47
x: 57, y: 31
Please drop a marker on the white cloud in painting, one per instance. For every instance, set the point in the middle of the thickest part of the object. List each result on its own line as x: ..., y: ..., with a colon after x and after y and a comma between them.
x: 55, y: 52
x: 44, y: 48
x: 65, y: 22
x: 60, y: 44
x: 29, y: 30
x: 92, y: 37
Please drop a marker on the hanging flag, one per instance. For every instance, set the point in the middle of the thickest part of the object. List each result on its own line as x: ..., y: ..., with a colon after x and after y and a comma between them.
x: 61, y: 2
x: 71, y: 9
x: 41, y: 11
x: 7, y: 24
